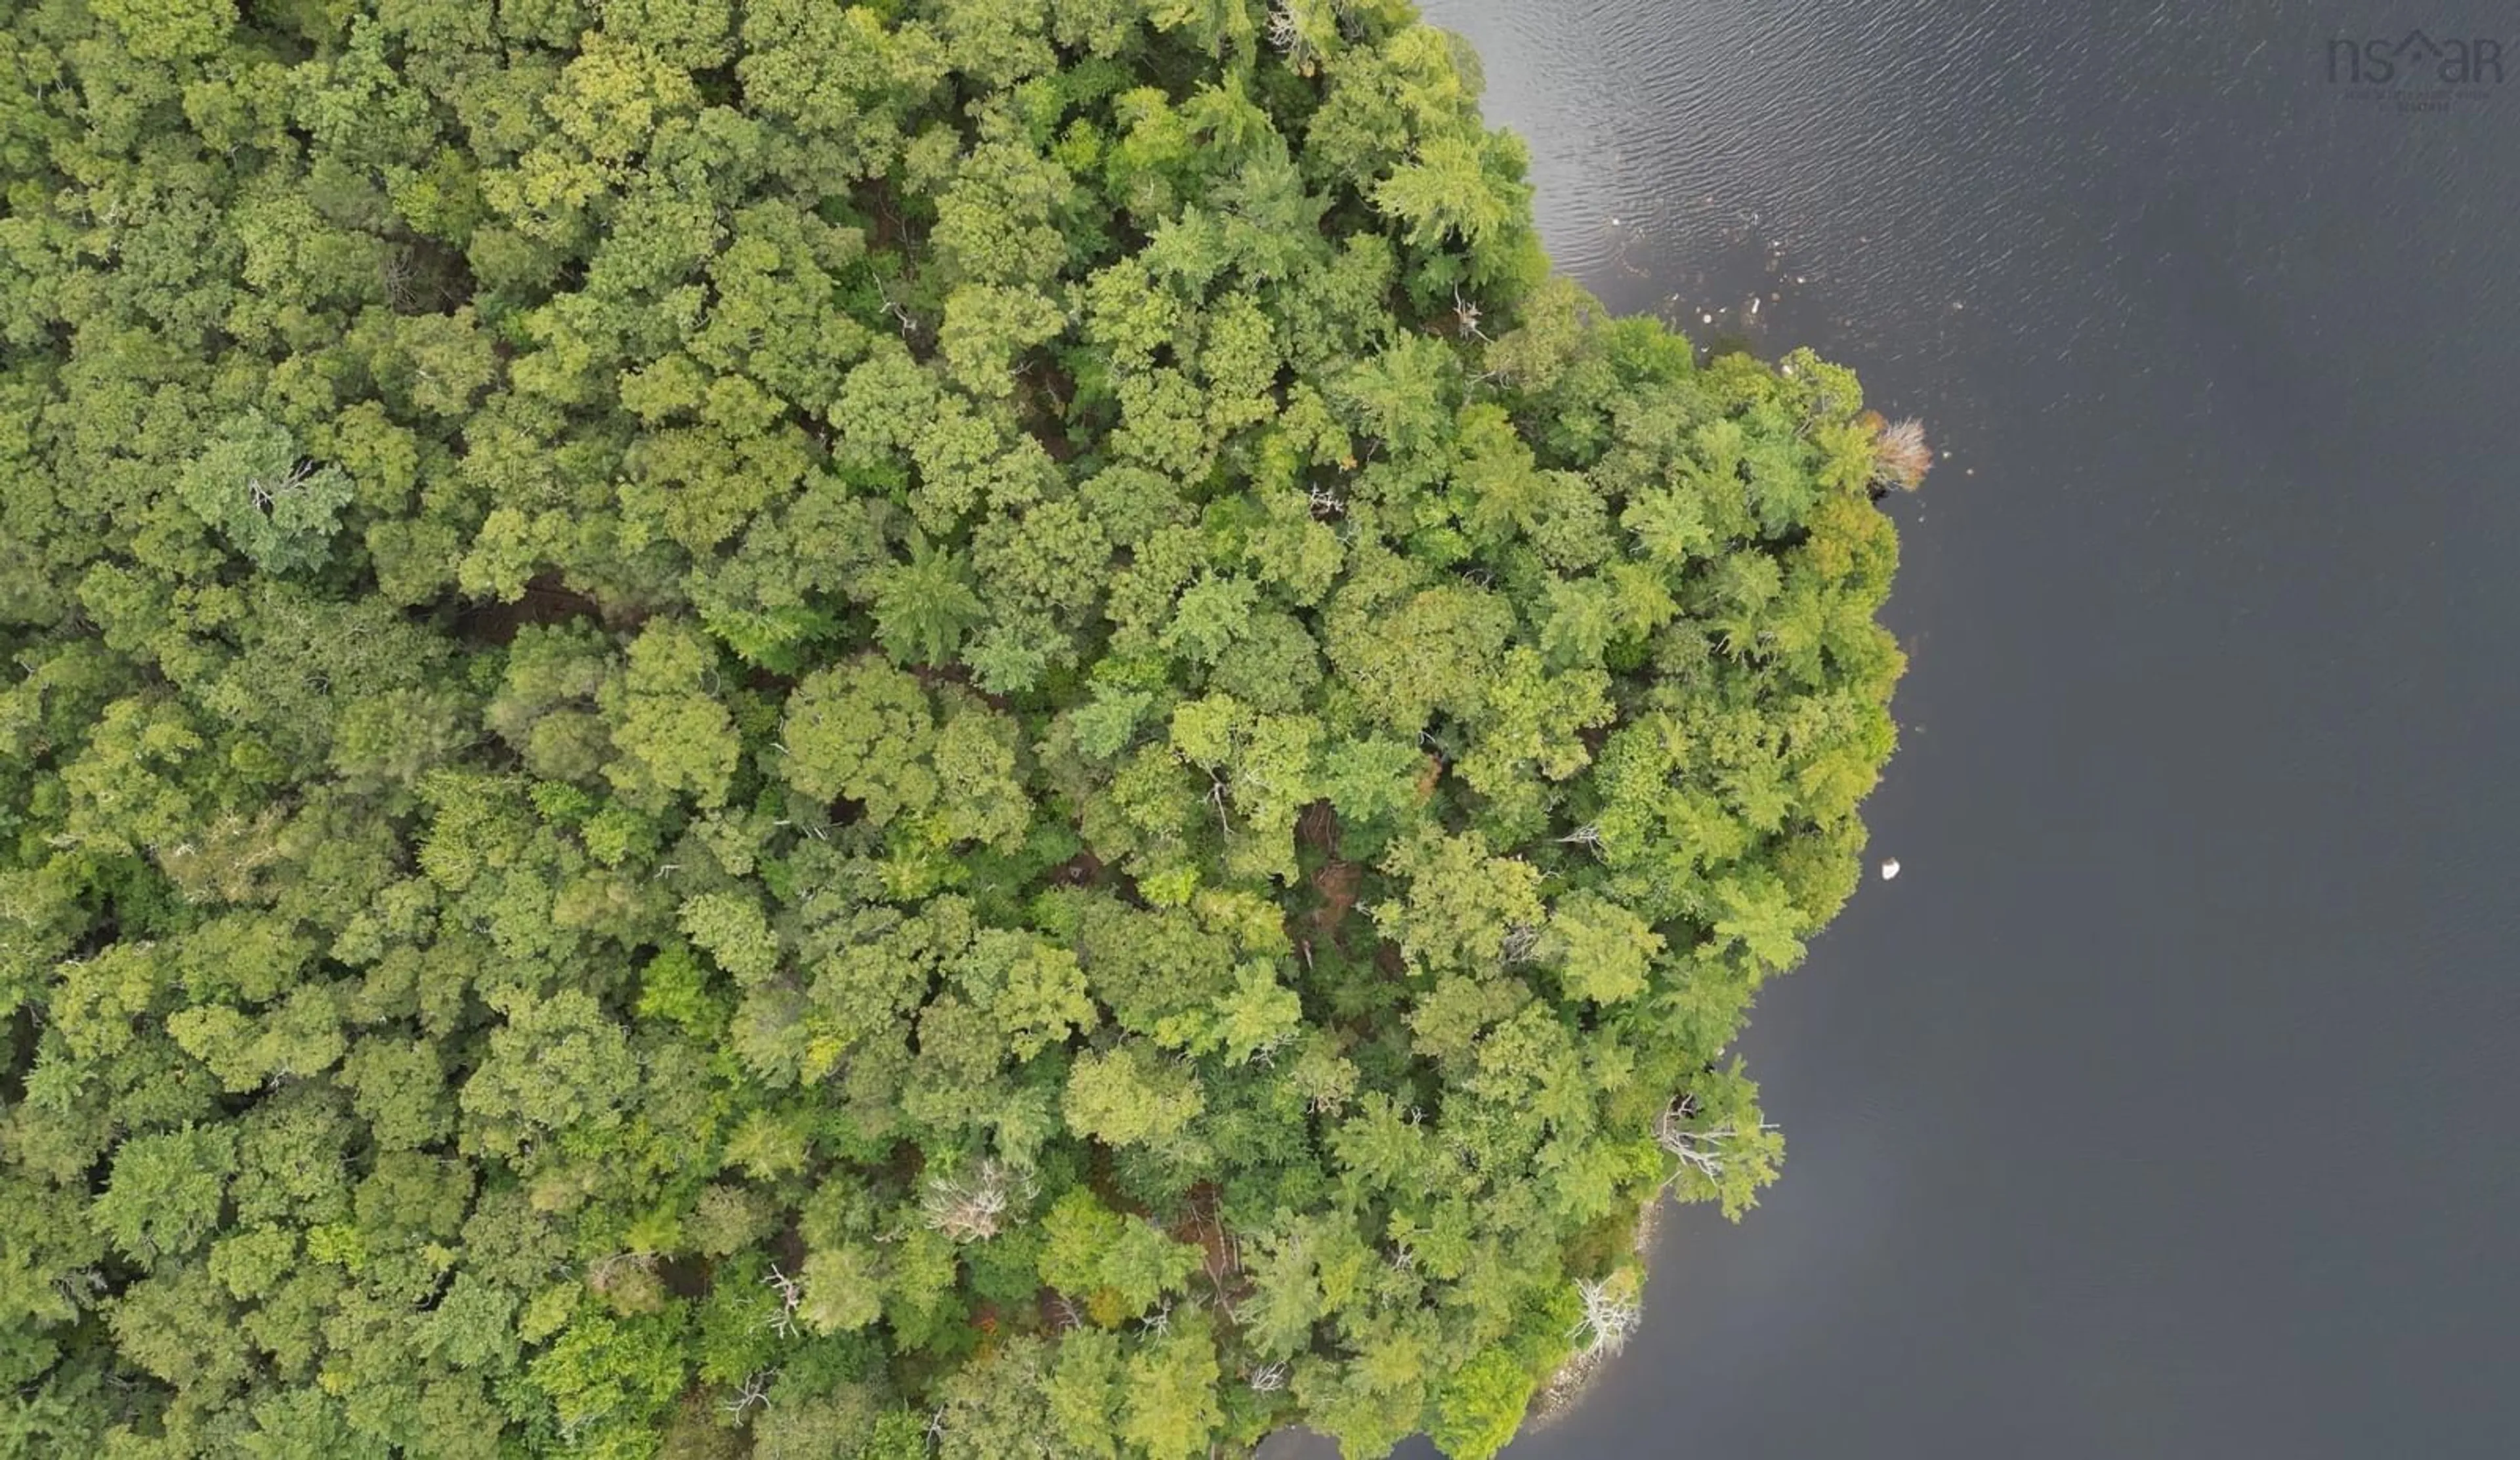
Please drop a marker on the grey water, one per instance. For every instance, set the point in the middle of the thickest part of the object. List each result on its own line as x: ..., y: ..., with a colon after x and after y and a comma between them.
x: 2165, y: 1105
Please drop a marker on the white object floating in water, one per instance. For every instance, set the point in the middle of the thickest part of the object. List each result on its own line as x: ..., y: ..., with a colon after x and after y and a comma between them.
x: 1889, y: 868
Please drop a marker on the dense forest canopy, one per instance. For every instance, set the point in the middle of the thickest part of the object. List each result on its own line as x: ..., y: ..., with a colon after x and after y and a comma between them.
x: 954, y: 726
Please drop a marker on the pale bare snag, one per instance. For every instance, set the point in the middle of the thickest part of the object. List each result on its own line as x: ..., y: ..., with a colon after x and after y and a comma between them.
x: 966, y: 1210
x: 1703, y: 1150
x: 1900, y: 455
x: 1610, y: 1317
x: 791, y: 1293
x: 755, y: 1390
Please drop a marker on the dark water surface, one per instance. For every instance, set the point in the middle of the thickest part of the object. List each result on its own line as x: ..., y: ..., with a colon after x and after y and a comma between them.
x: 2163, y: 1107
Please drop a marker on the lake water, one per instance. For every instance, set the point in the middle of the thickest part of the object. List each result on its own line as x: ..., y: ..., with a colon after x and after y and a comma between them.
x: 2163, y: 1106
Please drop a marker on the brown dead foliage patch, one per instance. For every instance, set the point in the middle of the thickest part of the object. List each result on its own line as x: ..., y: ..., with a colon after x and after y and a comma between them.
x: 1083, y: 869
x: 1057, y: 1312
x: 1220, y: 1250
x: 1336, y: 883
x: 1319, y: 828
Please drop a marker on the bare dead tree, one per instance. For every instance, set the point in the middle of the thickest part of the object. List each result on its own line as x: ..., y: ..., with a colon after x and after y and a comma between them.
x: 1587, y: 836
x: 265, y: 495
x: 400, y: 278
x: 791, y: 1294
x: 755, y: 1390
x: 1216, y: 794
x: 1287, y: 36
x: 901, y: 315
x: 82, y: 1289
x: 1268, y: 1379
x: 570, y: 1429
x: 1900, y: 454
x: 1286, y: 31
x: 1221, y: 1256
x: 966, y: 1209
x: 1701, y: 1150
x: 604, y: 1271
x: 1609, y: 1317
x: 1522, y: 942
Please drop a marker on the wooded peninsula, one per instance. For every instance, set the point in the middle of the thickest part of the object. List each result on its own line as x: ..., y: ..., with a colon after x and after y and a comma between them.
x: 950, y: 728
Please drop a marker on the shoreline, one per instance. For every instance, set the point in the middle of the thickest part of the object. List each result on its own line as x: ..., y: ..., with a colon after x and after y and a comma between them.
x: 1572, y: 1383
x: 1565, y: 1390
